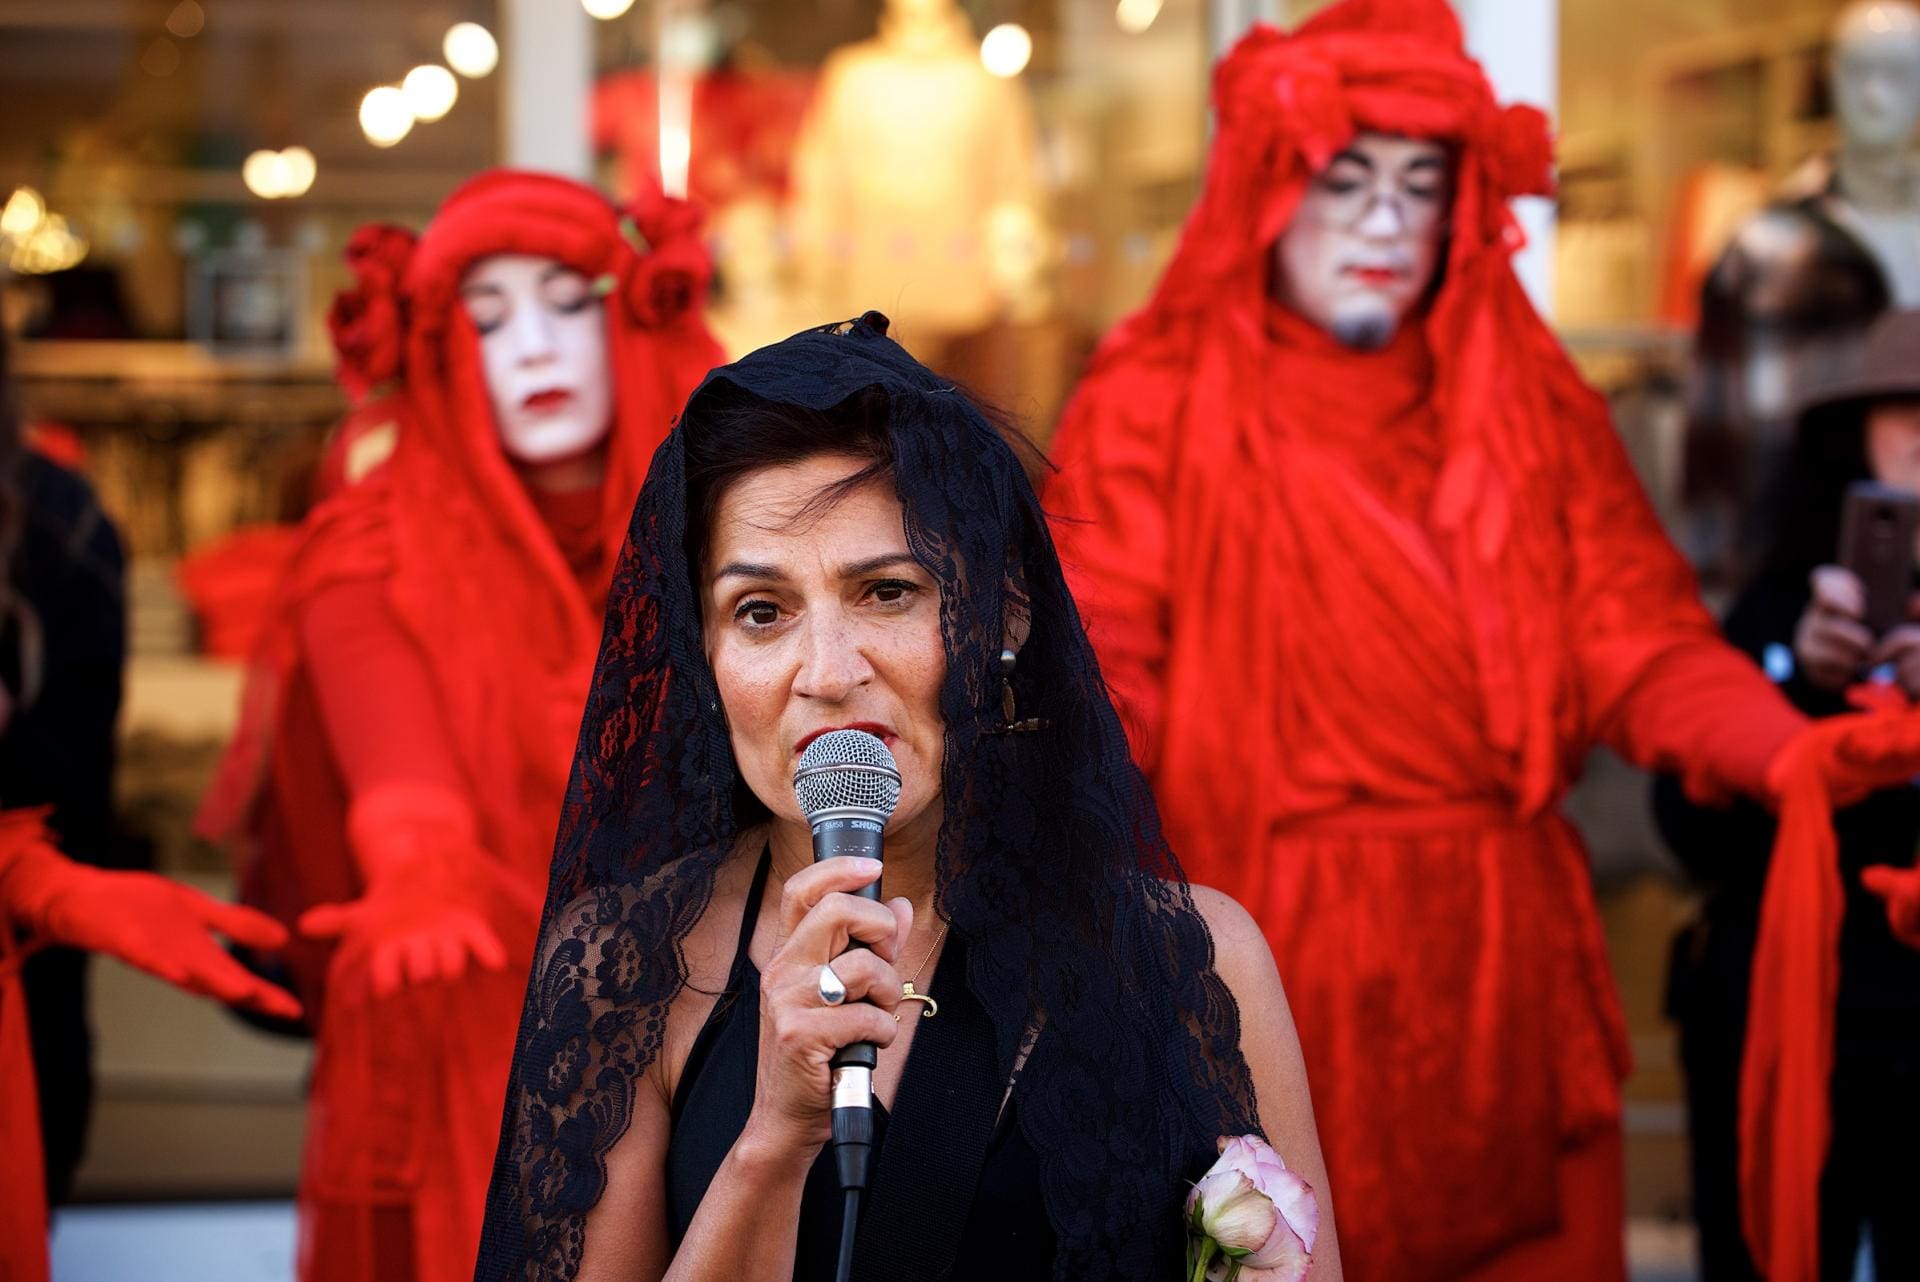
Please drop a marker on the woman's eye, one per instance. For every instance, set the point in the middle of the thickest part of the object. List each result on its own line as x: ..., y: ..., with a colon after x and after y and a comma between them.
x: 1425, y: 193
x: 1339, y: 186
x: 757, y: 614
x: 569, y: 293
x: 487, y: 315
x: 893, y: 591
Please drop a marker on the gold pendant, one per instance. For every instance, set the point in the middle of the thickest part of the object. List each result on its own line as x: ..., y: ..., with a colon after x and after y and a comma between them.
x: 927, y: 1011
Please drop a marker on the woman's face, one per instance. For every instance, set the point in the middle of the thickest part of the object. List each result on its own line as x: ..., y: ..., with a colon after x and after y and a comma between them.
x: 1363, y: 247
x: 543, y: 342
x: 1893, y: 444
x: 818, y: 621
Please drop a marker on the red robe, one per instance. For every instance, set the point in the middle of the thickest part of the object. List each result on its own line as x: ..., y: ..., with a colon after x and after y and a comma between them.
x: 23, y: 1211
x: 1367, y: 613
x: 433, y: 632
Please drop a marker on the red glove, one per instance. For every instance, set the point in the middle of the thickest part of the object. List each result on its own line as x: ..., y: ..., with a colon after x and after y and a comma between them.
x: 160, y: 926
x: 1899, y: 888
x: 1854, y: 756
x: 432, y: 891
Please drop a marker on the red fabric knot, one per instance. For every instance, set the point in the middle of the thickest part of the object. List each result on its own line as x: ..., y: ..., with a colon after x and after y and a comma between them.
x: 367, y: 322
x: 666, y: 275
x: 1518, y: 150
x: 1313, y: 106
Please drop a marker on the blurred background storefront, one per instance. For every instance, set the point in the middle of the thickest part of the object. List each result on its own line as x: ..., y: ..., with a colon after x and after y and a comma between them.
x: 180, y: 177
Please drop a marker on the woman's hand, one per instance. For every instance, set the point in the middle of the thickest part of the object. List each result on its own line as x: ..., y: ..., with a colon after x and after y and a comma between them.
x: 799, y: 1033
x: 1831, y: 643
x: 1900, y: 650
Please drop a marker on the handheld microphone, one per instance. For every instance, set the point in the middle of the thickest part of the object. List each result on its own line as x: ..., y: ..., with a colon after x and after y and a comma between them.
x: 847, y: 785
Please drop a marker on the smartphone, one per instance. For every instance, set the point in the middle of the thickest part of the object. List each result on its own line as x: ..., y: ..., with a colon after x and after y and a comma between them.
x: 1877, y: 531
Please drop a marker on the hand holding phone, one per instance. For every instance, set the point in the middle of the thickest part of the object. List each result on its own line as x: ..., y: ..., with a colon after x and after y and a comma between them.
x: 1831, y: 645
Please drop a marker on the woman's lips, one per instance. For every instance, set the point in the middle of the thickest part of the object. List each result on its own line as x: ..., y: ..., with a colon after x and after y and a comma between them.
x: 551, y: 401
x: 873, y: 728
x: 1376, y: 275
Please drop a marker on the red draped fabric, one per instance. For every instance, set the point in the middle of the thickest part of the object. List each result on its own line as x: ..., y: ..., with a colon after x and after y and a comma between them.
x: 23, y: 1211
x: 434, y: 638
x: 1367, y: 613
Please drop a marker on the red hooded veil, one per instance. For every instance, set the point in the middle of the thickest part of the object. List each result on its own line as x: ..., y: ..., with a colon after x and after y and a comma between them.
x: 499, y: 628
x: 1369, y: 611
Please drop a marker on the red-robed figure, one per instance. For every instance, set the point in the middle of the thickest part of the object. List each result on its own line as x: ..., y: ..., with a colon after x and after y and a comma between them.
x: 408, y: 728
x: 1368, y: 566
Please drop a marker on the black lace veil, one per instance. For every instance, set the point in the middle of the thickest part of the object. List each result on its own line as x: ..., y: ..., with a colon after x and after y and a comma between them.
x: 1050, y: 860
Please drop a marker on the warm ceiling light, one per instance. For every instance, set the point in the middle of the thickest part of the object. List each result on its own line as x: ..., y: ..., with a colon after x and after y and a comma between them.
x: 430, y: 91
x: 186, y: 19
x: 384, y: 116
x: 161, y: 58
x: 1135, y: 16
x: 605, y: 9
x: 23, y: 212
x: 298, y: 169
x: 470, y: 50
x: 1006, y: 50
x: 262, y: 174
x: 52, y: 246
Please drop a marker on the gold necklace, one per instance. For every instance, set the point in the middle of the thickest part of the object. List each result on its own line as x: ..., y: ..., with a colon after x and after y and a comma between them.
x: 930, y: 1007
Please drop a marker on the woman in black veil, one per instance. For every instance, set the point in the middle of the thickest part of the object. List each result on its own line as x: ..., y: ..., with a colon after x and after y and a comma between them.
x: 834, y: 537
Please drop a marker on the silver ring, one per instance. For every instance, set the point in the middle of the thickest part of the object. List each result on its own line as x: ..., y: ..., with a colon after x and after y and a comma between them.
x: 833, y: 990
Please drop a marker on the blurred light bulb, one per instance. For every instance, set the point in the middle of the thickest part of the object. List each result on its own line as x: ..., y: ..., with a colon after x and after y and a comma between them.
x: 1006, y: 50
x: 262, y: 174
x: 605, y: 9
x: 298, y: 169
x: 23, y: 212
x: 186, y: 19
x: 430, y: 90
x: 161, y: 58
x: 471, y: 50
x: 1135, y: 16
x: 384, y: 116
x: 52, y: 246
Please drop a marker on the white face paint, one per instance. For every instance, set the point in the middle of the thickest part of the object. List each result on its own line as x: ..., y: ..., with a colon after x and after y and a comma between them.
x: 1363, y: 247
x: 1876, y: 74
x: 543, y: 342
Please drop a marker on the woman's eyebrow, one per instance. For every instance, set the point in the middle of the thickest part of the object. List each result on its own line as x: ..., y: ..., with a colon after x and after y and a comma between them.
x: 873, y: 564
x: 747, y: 570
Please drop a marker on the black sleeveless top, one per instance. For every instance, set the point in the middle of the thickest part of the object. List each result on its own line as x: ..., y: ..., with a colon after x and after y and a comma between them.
x: 952, y: 1191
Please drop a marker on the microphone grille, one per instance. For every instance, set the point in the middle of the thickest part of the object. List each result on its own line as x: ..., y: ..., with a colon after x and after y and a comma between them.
x: 846, y: 768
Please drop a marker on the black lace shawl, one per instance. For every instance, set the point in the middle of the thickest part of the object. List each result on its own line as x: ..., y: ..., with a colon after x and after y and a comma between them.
x: 1050, y: 860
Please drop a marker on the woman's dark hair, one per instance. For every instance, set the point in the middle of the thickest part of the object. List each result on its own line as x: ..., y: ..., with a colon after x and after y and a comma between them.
x: 745, y: 434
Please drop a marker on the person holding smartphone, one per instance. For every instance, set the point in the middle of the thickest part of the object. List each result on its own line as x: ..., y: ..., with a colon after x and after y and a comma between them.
x: 1809, y: 617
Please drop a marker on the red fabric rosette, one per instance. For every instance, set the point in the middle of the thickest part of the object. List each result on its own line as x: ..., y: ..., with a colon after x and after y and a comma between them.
x: 1519, y: 151
x: 666, y: 276
x: 368, y: 322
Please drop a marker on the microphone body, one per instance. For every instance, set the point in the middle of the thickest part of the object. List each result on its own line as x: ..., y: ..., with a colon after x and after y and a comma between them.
x: 847, y: 785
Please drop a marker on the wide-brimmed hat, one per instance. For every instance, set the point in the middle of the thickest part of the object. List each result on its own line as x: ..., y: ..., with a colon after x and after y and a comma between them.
x: 1888, y: 369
